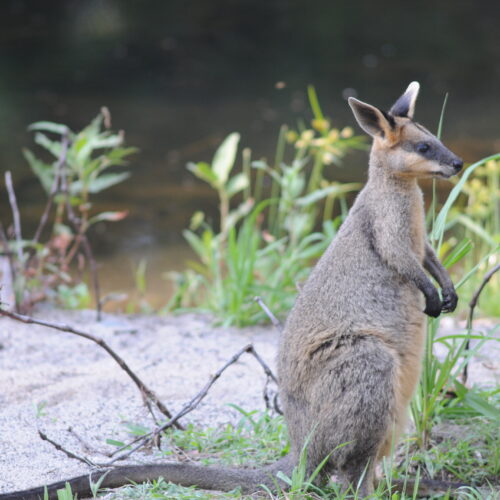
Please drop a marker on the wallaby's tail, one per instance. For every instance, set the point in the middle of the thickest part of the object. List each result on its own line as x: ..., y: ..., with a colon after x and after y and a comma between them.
x: 208, y: 478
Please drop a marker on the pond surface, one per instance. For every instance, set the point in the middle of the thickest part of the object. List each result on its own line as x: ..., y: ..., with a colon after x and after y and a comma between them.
x: 179, y: 76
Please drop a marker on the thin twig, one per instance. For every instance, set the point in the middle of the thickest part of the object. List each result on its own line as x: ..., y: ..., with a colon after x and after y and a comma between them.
x: 80, y: 229
x: 251, y: 350
x: 15, y: 213
x: 147, y: 402
x: 265, y: 394
x: 472, y: 307
x: 85, y: 444
x: 55, y: 186
x: 193, y: 403
x: 9, y: 293
x: 274, y: 320
x: 68, y: 453
x: 95, y: 277
x: 99, y: 341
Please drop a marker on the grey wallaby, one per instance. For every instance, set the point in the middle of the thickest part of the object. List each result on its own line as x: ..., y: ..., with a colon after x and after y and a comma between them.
x: 350, y: 353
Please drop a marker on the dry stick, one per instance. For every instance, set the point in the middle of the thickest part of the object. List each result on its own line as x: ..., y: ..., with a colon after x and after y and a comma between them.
x: 68, y: 453
x: 191, y: 405
x: 277, y: 324
x: 251, y: 350
x: 78, y: 226
x: 99, y: 341
x: 274, y: 320
x: 147, y: 402
x: 8, y: 254
x: 95, y: 278
x: 472, y: 306
x: 55, y: 186
x: 15, y: 213
x: 90, y: 448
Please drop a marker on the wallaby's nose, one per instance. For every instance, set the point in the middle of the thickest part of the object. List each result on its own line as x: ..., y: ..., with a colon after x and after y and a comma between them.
x: 457, y: 164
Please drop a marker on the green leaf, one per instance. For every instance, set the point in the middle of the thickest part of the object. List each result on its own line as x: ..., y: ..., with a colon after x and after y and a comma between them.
x: 225, y: 156
x: 438, y: 229
x: 203, y: 171
x: 87, y: 143
x: 285, y: 479
x: 235, y: 215
x: 476, y: 228
x: 195, y: 242
x: 460, y: 251
x: 478, y: 403
x: 111, y: 141
x: 314, y: 102
x: 108, y: 216
x: 319, y: 194
x: 53, y: 147
x: 105, y: 181
x: 116, y: 156
x: 94, y: 127
x: 57, y: 128
x: 114, y: 442
x: 42, y: 170
x: 236, y: 184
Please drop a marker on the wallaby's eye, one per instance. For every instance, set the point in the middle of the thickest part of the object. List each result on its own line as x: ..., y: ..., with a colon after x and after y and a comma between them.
x: 423, y: 147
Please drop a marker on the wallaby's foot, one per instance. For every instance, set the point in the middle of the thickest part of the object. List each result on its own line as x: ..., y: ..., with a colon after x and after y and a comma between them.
x: 358, y: 478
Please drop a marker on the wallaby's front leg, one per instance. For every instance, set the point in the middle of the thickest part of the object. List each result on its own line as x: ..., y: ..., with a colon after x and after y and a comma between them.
x: 393, y: 245
x: 440, y: 274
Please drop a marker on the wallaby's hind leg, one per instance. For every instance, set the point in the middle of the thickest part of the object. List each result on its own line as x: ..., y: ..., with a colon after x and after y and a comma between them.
x: 353, y: 407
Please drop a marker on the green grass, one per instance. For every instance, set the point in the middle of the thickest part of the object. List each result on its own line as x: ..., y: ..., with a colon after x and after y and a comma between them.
x: 257, y: 438
x: 465, y: 450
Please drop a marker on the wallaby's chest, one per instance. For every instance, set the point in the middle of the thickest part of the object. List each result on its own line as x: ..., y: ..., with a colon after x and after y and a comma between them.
x: 417, y: 224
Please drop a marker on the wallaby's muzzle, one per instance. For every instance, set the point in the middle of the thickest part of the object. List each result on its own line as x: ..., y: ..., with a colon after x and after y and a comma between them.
x: 450, y: 166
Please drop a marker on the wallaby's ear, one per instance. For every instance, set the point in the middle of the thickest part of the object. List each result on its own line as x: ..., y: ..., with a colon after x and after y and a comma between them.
x: 371, y: 119
x: 405, y: 105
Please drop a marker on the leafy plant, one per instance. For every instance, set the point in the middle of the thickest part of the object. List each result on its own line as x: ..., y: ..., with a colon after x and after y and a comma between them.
x: 441, y: 376
x: 267, y: 243
x: 77, y: 165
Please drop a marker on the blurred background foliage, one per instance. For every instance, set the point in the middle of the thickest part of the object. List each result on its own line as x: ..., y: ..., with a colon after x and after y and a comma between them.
x: 180, y: 76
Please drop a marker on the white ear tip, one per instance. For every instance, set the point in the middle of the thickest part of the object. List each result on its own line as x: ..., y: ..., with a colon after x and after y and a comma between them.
x: 414, y: 87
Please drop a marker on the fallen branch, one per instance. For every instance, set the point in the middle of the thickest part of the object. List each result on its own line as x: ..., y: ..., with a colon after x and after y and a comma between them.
x: 8, y: 272
x: 90, y: 448
x: 99, y: 341
x: 192, y: 404
x: 472, y: 307
x: 15, y: 213
x: 68, y: 453
x: 274, y: 320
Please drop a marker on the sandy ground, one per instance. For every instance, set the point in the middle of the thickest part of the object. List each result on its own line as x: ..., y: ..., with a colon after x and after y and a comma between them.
x: 82, y: 388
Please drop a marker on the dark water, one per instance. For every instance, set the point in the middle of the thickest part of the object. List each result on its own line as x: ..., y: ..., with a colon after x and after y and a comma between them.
x: 179, y: 76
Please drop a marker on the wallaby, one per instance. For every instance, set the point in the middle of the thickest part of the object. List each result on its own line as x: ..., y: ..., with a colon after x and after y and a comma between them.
x: 350, y: 352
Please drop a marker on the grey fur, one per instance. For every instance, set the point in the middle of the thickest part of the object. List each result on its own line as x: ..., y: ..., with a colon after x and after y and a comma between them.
x: 350, y: 353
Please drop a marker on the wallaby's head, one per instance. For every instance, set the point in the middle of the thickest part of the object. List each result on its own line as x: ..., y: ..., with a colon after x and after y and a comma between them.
x: 401, y: 146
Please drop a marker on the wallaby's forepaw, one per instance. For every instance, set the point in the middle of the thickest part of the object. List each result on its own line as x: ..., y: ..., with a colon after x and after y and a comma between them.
x: 433, y: 304
x: 450, y: 299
